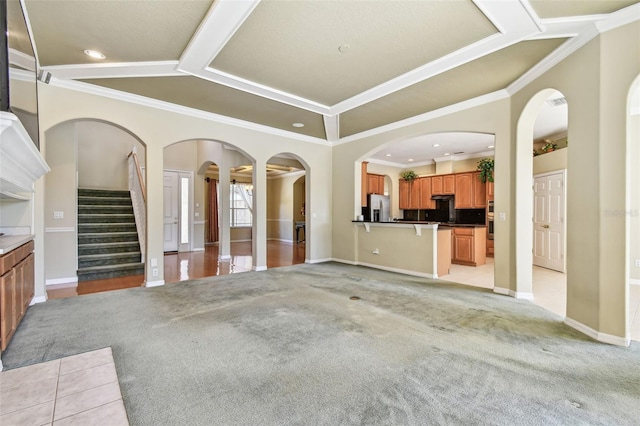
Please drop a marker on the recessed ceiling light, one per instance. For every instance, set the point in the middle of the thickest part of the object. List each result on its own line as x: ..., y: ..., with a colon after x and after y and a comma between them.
x: 446, y: 153
x: 298, y: 124
x: 388, y: 155
x: 410, y: 159
x: 95, y: 54
x: 435, y: 145
x: 490, y: 146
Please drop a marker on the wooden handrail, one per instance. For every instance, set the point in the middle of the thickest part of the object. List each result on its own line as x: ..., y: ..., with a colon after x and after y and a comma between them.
x: 139, y: 171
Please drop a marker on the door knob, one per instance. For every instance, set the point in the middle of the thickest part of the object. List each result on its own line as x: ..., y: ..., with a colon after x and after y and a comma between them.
x: 545, y: 226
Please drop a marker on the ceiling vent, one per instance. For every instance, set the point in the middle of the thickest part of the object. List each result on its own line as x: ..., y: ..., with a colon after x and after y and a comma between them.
x: 557, y: 102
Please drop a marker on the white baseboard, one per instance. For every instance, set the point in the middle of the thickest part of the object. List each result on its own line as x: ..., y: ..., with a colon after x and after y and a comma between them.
x: 521, y: 295
x: 348, y: 262
x: 398, y: 270
x: 241, y: 241
x: 154, y: 283
x: 515, y: 294
x: 55, y: 281
x: 312, y: 261
x: 503, y: 291
x: 198, y: 249
x: 281, y: 240
x: 39, y: 299
x: 224, y: 257
x: 634, y: 281
x: 258, y: 268
x: 600, y: 337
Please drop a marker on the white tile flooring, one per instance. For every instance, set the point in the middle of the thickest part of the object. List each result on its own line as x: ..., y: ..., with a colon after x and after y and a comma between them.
x: 77, y: 390
x: 549, y: 289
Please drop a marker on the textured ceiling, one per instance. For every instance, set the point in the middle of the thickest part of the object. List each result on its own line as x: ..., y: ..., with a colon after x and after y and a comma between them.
x: 274, y: 63
x: 294, y: 46
x: 125, y: 31
x: 200, y: 94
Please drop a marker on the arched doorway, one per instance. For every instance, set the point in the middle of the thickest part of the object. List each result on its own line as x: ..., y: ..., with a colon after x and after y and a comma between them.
x: 541, y: 162
x: 287, y: 220
x: 93, y: 224
x: 632, y: 243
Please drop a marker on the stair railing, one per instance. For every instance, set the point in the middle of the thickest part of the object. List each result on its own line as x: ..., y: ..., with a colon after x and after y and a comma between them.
x: 138, y: 199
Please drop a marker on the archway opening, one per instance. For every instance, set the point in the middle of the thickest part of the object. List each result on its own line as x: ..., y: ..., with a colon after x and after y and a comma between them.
x: 92, y: 216
x: 287, y: 221
x: 542, y: 159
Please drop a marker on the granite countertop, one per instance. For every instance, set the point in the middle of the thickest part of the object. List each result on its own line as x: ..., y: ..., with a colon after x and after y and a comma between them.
x: 11, y: 242
x: 422, y: 222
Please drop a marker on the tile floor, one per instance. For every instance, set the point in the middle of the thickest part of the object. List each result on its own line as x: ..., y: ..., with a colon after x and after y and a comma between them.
x: 77, y: 390
x: 549, y: 289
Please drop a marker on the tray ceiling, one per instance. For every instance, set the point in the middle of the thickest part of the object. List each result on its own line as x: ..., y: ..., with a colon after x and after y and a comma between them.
x: 338, y: 67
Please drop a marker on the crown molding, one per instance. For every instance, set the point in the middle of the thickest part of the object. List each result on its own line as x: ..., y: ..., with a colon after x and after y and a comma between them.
x: 332, y: 127
x: 619, y: 18
x: 441, y: 112
x: 22, y: 60
x: 399, y: 165
x: 563, y: 51
x: 115, y: 70
x: 30, y: 31
x: 179, y: 109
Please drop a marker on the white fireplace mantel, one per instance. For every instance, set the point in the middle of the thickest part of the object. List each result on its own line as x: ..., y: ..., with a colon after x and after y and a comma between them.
x: 20, y: 162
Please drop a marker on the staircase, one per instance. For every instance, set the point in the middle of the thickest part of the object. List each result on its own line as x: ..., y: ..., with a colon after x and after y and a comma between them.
x: 108, y: 244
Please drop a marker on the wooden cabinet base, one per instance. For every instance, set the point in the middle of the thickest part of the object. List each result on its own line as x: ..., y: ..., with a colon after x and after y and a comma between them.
x: 17, y: 287
x: 469, y: 246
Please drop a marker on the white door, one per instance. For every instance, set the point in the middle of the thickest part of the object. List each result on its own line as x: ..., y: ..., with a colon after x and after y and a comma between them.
x: 170, y: 210
x: 548, y: 221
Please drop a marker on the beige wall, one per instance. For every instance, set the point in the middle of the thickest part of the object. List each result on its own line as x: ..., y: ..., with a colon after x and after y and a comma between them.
x: 595, y: 80
x: 102, y: 155
x: 550, y: 162
x: 634, y: 199
x: 397, y: 247
x: 60, y: 238
x: 158, y: 128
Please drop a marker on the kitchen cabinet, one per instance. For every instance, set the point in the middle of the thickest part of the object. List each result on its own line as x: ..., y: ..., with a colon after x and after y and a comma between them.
x: 409, y: 194
x: 489, y: 191
x: 468, y: 245
x: 375, y: 184
x: 17, y: 287
x: 425, y: 194
x: 443, y: 185
x: 470, y: 192
x: 363, y: 184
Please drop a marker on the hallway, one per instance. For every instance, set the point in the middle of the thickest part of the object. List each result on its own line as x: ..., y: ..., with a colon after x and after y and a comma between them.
x: 192, y: 265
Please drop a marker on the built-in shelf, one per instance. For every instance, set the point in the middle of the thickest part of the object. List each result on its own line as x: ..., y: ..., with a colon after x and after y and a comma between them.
x: 20, y: 161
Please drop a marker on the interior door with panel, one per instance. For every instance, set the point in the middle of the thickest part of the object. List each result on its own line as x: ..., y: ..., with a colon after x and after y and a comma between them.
x: 548, y: 221
x: 170, y: 210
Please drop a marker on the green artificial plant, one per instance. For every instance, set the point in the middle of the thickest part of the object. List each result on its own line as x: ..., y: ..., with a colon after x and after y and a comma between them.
x: 485, y: 167
x: 409, y: 175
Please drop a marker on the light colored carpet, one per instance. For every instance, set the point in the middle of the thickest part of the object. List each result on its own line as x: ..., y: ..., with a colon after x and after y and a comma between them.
x: 288, y: 346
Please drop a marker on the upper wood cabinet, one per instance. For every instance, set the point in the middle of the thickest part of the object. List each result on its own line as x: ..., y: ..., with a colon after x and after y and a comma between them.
x: 425, y: 194
x: 404, y: 194
x: 363, y: 184
x: 489, y: 190
x: 375, y: 184
x: 415, y: 188
x: 443, y: 185
x: 470, y: 192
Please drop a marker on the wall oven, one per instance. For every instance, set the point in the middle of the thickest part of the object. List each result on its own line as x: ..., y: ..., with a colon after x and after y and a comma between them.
x: 490, y: 214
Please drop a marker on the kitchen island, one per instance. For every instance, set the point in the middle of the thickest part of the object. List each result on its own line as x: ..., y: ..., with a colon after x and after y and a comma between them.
x: 416, y: 248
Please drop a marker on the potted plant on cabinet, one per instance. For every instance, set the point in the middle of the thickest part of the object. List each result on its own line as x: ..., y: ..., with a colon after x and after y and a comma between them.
x: 409, y: 175
x: 549, y: 146
x: 485, y: 167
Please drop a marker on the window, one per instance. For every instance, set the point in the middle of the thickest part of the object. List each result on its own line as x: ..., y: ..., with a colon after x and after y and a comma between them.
x: 241, y: 203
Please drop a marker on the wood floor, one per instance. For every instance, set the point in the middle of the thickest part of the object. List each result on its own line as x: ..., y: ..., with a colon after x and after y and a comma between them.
x: 190, y: 265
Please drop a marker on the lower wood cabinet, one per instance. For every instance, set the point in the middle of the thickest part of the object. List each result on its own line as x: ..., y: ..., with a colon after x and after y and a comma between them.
x: 469, y: 245
x: 17, y: 285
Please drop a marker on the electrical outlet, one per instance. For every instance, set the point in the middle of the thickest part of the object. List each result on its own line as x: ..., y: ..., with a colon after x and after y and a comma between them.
x: 637, y: 263
x: 155, y: 272
x: 58, y: 215
x: 503, y: 217
x: 197, y: 214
